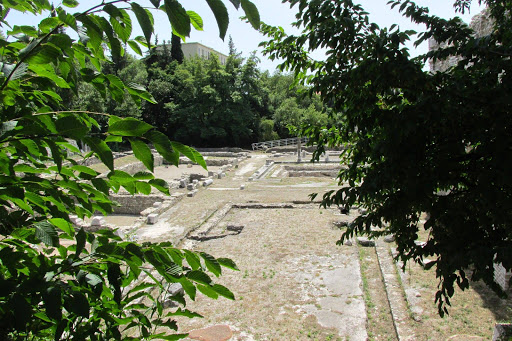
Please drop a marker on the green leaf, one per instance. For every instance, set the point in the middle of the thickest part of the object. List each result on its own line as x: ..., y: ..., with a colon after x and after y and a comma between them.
x: 47, y: 24
x: 221, y: 15
x: 80, y: 242
x: 189, y: 152
x: 211, y: 264
x: 102, y: 150
x: 235, y: 3
x: 84, y: 169
x: 178, y: 17
x: 138, y: 92
x: 71, y: 126
x: 223, y: 291
x: 143, y: 153
x: 120, y: 20
x: 63, y: 225
x: 70, y: 3
x: 46, y: 71
x: 199, y: 277
x: 121, y: 177
x: 143, y: 187
x: 141, y: 40
x: 80, y: 304
x: 252, y: 13
x: 45, y: 54
x: 143, y: 176
x: 227, y: 263
x: 52, y: 298
x: 163, y: 146
x: 196, y: 20
x: 93, y: 279
x: 114, y: 138
x: 129, y: 127
x: 208, y: 291
x: 135, y: 47
x: 144, y: 20
x: 68, y: 19
x: 36, y: 199
x: 184, y: 312
x: 189, y: 287
x: 160, y: 185
x: 192, y: 260
x: 46, y: 233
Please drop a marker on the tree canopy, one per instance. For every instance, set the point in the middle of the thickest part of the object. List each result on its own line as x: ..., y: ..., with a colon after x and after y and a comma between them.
x: 416, y: 141
x: 90, y: 287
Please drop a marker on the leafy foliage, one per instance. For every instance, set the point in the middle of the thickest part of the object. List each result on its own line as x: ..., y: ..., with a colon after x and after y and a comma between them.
x: 58, y: 282
x: 416, y: 141
x: 204, y: 102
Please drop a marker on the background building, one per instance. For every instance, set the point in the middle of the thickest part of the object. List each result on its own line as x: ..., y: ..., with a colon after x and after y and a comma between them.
x: 191, y: 50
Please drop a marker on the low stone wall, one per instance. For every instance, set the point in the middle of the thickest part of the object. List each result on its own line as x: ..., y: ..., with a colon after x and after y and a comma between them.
x: 210, y: 162
x: 312, y: 171
x: 134, y: 204
x: 135, y: 167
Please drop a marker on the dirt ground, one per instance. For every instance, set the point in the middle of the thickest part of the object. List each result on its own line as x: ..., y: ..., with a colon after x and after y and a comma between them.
x: 294, y: 282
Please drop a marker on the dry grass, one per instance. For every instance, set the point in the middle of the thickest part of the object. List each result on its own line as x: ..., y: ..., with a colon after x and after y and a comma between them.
x: 473, y: 312
x: 380, y: 323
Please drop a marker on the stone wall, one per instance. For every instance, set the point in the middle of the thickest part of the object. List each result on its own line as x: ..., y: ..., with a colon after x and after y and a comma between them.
x: 134, y: 204
x: 481, y: 23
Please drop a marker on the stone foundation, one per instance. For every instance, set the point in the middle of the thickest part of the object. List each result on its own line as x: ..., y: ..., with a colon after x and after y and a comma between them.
x: 134, y: 204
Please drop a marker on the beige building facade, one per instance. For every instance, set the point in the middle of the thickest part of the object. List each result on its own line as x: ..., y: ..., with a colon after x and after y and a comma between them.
x: 191, y: 50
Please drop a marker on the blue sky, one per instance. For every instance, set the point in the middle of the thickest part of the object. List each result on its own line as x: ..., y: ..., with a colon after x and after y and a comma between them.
x: 272, y: 12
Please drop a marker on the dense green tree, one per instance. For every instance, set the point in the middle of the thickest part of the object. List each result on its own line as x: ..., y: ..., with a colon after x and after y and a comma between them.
x: 176, y: 51
x: 290, y: 104
x: 267, y: 132
x: 91, y: 288
x: 205, y: 103
x: 418, y: 141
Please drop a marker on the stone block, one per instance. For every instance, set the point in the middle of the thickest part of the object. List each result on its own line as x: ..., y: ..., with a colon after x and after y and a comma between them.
x: 191, y: 187
x: 97, y: 221
x: 389, y: 239
x: 502, y: 332
x: 192, y: 193
x: 73, y: 218
x: 250, y: 178
x: 210, y: 173
x: 268, y: 162
x: 242, y: 186
x: 175, y: 289
x: 363, y: 241
x: 189, y: 165
x: 183, y: 183
x: 157, y: 204
x: 219, y: 176
x: 152, y: 218
x: 195, y: 182
x: 207, y: 183
x: 120, y: 233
